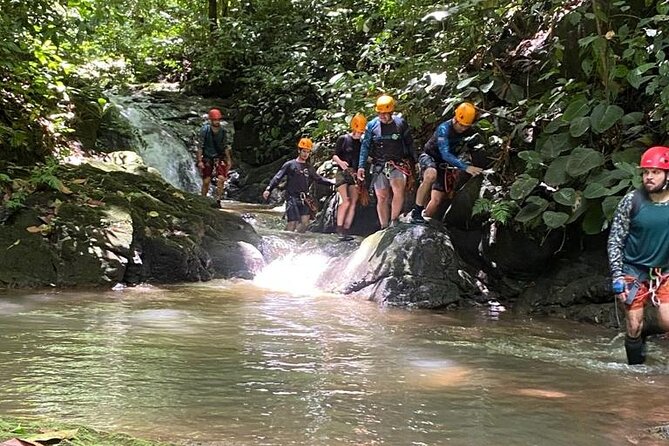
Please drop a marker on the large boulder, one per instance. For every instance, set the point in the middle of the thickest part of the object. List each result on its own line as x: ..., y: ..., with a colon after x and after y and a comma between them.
x: 406, y: 265
x: 107, y: 227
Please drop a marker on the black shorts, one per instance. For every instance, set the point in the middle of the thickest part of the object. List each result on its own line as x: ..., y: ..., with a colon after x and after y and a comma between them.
x: 295, y: 209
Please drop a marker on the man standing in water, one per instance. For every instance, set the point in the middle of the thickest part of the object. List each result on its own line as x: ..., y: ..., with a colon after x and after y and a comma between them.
x: 638, y: 250
x: 298, y: 173
x: 211, y: 151
x: 388, y: 142
x: 347, y: 153
x: 438, y: 160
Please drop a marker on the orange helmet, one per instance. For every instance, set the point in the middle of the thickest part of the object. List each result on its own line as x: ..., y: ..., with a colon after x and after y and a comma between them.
x: 465, y: 114
x: 305, y: 144
x: 655, y: 158
x: 215, y: 113
x: 358, y: 123
x: 385, y: 104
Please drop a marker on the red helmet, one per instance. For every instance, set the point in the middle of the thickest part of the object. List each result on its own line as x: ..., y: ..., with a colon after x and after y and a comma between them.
x: 215, y: 113
x: 655, y: 158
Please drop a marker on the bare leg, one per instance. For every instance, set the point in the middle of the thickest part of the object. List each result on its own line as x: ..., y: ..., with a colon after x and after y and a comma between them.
x: 382, y: 204
x: 429, y: 177
x: 353, y: 194
x: 205, y: 186
x: 435, y: 201
x: 344, y: 204
x: 304, y: 222
x: 291, y: 225
x: 398, y: 185
x: 220, y: 186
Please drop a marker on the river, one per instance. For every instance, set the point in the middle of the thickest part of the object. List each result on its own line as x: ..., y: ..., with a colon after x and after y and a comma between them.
x: 238, y: 363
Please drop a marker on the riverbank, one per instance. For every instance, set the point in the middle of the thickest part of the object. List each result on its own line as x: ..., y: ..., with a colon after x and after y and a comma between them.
x: 52, y: 432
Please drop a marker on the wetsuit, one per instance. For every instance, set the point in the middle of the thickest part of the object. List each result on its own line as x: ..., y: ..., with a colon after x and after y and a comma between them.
x: 297, y: 176
x: 441, y: 151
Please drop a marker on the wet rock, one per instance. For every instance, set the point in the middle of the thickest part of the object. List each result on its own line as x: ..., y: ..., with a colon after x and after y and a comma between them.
x: 407, y: 265
x: 138, y: 228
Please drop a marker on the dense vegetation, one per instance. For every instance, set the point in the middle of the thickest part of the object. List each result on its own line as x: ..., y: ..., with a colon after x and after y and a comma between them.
x: 574, y: 89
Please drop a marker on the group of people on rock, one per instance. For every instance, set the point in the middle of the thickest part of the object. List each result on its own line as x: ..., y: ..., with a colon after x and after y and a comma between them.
x: 638, y: 245
x: 384, y: 149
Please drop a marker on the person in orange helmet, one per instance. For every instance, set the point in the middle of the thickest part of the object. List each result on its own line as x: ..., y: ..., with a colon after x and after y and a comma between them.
x: 214, y: 154
x: 298, y: 174
x: 388, y: 141
x: 439, y: 161
x: 638, y: 251
x: 347, y: 153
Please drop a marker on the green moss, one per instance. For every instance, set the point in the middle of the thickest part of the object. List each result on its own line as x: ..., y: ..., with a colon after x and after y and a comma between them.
x: 85, y: 436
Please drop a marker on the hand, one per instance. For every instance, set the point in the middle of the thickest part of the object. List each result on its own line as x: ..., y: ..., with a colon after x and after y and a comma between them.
x: 265, y: 195
x: 473, y: 170
x: 361, y: 174
x: 343, y: 165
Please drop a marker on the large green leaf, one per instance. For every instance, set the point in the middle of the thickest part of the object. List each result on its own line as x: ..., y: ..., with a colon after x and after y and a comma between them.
x: 576, y: 109
x: 579, y: 126
x: 596, y: 190
x: 566, y: 196
x: 555, y: 219
x: 604, y: 116
x: 556, y: 174
x: 609, y: 206
x: 555, y: 144
x: 593, y: 222
x: 582, y: 160
x: 531, y: 210
x: 530, y: 157
x: 554, y: 125
x: 523, y: 185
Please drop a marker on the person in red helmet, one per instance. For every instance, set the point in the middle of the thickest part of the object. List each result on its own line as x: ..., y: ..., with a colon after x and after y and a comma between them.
x: 638, y: 250
x: 214, y: 154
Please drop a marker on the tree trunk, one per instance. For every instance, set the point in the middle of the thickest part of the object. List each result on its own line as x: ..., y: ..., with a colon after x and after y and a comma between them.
x: 225, y: 5
x: 212, y: 15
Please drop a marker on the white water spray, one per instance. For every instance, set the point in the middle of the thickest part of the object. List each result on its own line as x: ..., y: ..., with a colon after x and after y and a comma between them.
x: 295, y: 273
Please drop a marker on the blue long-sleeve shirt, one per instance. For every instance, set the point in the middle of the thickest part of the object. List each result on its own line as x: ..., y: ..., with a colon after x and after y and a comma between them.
x: 443, y: 142
x: 386, y: 142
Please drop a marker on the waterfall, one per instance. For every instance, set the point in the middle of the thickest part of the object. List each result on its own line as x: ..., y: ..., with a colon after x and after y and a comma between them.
x: 157, y: 142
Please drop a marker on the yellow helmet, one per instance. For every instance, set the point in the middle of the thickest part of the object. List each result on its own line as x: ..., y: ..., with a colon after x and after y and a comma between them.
x: 358, y: 122
x: 385, y: 104
x: 465, y: 114
x: 305, y: 144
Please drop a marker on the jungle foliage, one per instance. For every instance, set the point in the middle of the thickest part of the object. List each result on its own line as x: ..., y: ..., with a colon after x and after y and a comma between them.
x: 573, y: 90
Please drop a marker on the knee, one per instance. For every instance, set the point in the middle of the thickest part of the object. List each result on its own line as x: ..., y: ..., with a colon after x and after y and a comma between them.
x: 634, y: 329
x: 429, y: 176
x: 345, y: 201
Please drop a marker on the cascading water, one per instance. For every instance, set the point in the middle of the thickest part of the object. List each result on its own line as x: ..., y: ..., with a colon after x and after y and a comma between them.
x: 158, y: 145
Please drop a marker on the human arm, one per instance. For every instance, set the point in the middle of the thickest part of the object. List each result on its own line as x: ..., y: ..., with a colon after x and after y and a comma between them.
x: 276, y: 179
x: 228, y: 157
x: 319, y: 178
x: 618, y: 236
x: 339, y: 152
x: 364, y: 150
x: 445, y: 150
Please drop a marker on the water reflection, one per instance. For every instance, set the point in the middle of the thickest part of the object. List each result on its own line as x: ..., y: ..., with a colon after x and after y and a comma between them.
x: 227, y: 362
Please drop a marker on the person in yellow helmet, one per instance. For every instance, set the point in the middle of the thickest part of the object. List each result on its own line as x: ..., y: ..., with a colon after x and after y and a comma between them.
x: 440, y: 161
x: 347, y: 154
x: 298, y: 174
x: 388, y: 141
